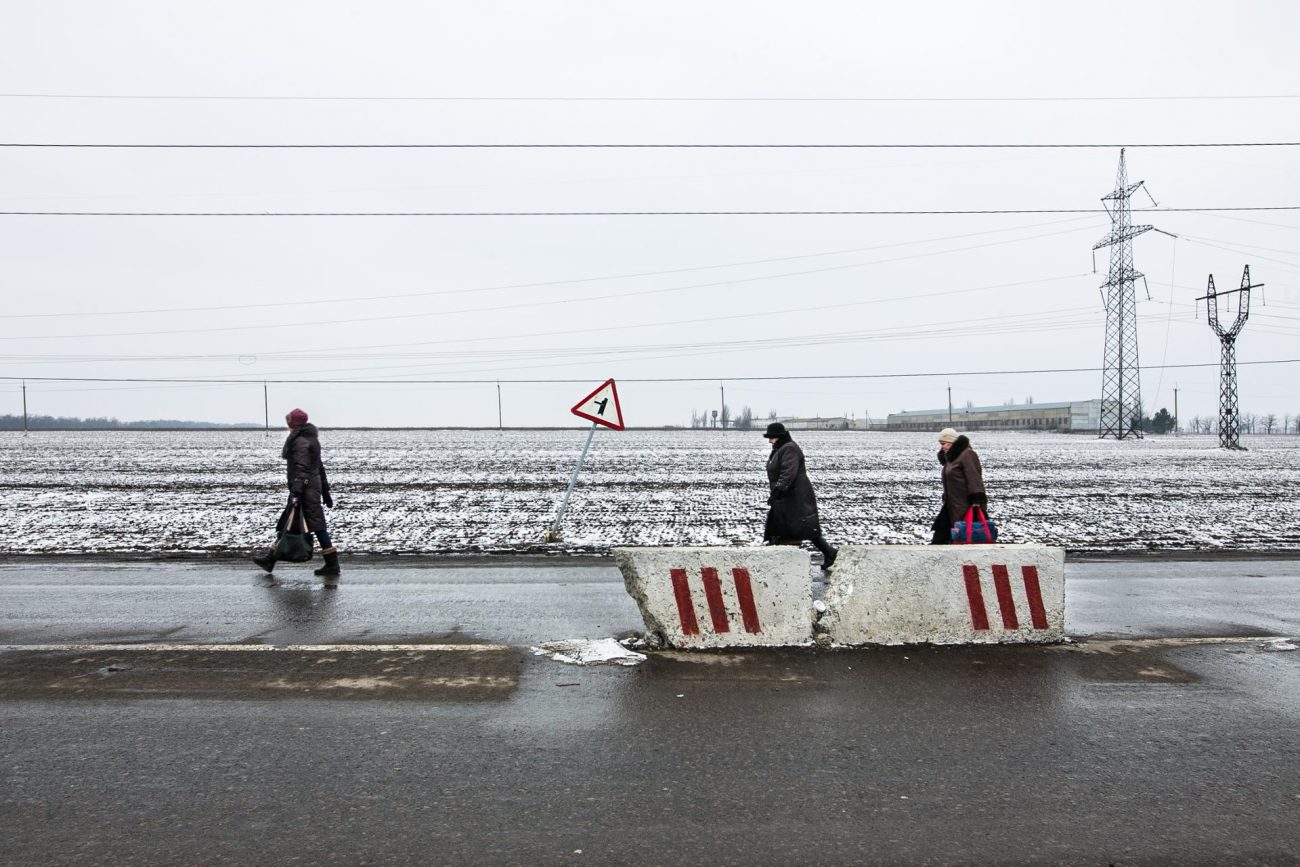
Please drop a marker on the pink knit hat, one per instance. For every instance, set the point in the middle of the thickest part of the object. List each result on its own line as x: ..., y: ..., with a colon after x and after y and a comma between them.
x: 296, y: 418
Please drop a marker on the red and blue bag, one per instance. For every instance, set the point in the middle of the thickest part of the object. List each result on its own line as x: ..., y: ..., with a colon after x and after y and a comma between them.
x: 973, y: 530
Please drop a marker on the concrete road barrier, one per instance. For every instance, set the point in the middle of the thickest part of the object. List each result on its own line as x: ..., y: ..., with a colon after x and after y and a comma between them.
x: 721, y: 597
x: 958, y: 594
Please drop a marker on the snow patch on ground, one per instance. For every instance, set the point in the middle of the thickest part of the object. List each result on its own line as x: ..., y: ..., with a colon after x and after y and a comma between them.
x: 582, y: 651
x: 487, y: 491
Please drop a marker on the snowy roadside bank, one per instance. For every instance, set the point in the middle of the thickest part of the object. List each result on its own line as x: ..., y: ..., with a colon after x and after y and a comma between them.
x: 492, y: 493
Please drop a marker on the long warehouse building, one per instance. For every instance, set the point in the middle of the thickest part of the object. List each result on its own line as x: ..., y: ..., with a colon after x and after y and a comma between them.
x: 1080, y: 416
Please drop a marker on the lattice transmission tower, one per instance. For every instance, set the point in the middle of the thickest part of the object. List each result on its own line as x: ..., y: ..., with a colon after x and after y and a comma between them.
x: 1229, y: 426
x: 1121, y: 386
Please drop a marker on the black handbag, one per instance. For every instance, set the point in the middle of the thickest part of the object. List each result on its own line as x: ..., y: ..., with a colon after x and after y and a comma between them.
x: 293, y: 544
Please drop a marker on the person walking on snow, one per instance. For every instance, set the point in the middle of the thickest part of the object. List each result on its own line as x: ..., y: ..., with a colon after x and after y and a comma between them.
x: 963, y: 484
x: 792, y: 516
x: 309, y: 487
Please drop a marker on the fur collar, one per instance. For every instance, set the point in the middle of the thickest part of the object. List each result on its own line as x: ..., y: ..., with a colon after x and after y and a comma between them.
x: 959, y: 445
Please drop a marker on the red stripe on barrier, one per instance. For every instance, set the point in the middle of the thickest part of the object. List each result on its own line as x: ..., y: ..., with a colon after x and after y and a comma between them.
x: 1007, y: 605
x: 1035, y: 594
x: 979, y: 618
x: 713, y: 593
x: 745, y: 593
x: 685, y: 608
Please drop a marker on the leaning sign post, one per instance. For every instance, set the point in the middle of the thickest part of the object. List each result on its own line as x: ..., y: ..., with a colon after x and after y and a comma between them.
x: 601, y: 407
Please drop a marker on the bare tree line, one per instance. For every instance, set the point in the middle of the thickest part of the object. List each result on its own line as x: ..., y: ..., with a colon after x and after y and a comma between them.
x: 1266, y: 424
x: 744, y: 420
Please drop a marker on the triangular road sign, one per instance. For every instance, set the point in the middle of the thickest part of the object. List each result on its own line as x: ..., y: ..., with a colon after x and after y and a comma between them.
x: 601, y: 406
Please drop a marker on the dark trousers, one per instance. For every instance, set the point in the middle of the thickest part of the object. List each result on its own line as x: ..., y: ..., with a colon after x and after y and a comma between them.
x: 942, y: 527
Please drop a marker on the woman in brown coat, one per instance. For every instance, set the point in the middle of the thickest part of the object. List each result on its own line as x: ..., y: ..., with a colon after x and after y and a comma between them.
x: 963, y: 484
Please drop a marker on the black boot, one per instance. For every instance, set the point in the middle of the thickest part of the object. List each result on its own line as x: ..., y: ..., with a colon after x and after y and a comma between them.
x: 330, y: 571
x: 267, y: 560
x: 828, y: 553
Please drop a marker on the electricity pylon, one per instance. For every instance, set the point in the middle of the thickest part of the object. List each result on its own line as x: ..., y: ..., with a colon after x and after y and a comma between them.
x: 1229, y: 426
x: 1121, y: 385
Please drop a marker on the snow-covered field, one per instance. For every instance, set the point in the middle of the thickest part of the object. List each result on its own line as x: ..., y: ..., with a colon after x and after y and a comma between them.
x: 490, y: 491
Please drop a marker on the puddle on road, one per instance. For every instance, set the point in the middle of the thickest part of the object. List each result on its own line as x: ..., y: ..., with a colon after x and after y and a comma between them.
x: 473, y: 673
x: 1145, y: 660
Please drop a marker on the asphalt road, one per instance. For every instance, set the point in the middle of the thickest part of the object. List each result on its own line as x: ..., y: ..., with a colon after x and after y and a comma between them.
x: 48, y: 601
x: 260, y: 723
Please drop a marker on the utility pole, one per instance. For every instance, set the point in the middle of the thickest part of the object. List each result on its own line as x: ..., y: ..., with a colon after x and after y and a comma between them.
x: 723, y: 406
x: 950, y: 406
x: 1175, y: 410
x: 1121, y: 386
x: 266, y: 410
x: 1229, y: 429
x: 24, y: 407
x: 500, y: 425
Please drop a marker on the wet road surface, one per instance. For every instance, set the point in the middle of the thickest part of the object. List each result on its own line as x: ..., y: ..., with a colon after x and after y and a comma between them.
x: 52, y: 601
x: 1165, y: 733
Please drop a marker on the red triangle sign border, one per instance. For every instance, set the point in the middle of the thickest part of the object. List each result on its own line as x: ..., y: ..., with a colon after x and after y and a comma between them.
x: 618, y: 408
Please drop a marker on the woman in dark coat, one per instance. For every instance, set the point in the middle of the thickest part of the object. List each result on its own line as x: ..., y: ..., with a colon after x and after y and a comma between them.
x: 309, y: 488
x: 963, y: 484
x: 793, y: 516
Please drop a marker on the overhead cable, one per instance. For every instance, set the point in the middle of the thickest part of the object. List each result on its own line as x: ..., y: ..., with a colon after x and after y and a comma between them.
x: 497, y: 308
x: 471, y: 98
x: 667, y: 379
x: 317, y: 302
x: 768, y: 213
x: 640, y: 145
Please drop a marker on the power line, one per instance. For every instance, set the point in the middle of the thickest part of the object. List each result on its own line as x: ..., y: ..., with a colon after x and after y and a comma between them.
x: 638, y: 145
x: 497, y: 337
x: 1252, y: 222
x: 494, y: 380
x: 542, y: 284
x: 407, y: 315
x: 770, y: 213
x: 832, y: 99
x: 1234, y: 248
x: 350, y: 352
x: 467, y: 364
x: 471, y: 361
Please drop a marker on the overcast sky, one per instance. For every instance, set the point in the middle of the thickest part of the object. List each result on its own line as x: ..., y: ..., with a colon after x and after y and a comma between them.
x: 583, y: 298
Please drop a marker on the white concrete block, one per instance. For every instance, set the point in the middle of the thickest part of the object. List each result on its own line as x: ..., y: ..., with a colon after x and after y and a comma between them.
x: 946, y: 594
x: 721, y: 597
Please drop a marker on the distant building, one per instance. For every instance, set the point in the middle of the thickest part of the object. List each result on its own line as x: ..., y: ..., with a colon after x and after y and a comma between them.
x: 1080, y: 416
x: 835, y: 423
